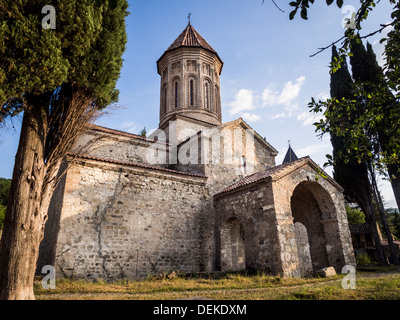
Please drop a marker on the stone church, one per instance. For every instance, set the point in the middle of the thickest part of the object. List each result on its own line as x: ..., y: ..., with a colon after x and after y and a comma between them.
x: 198, y: 195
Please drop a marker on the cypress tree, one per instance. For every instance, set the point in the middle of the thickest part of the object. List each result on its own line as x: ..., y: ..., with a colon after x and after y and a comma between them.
x: 59, y: 78
x: 379, y: 113
x: 351, y: 174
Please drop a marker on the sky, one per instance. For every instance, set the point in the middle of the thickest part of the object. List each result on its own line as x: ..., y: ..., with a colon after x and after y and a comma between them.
x: 268, y: 77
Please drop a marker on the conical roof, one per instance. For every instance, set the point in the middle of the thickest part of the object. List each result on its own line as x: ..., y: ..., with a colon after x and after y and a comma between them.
x: 290, y: 156
x: 190, y: 38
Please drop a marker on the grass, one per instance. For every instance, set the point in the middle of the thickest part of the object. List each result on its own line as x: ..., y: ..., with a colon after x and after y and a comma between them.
x: 369, y: 285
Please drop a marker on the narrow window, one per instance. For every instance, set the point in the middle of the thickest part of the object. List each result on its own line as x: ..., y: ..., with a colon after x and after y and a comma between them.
x: 243, y: 165
x: 165, y: 100
x: 176, y: 95
x: 206, y: 95
x: 191, y: 92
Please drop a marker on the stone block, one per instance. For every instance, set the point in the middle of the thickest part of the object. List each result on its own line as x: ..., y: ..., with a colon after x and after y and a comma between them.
x: 326, y: 272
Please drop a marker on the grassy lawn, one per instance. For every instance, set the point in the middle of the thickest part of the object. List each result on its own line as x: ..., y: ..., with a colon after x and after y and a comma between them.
x: 375, y: 284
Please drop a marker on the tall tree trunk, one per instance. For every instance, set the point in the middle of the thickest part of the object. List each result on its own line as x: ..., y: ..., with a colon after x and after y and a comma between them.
x: 25, y: 218
x: 364, y: 199
x: 381, y: 209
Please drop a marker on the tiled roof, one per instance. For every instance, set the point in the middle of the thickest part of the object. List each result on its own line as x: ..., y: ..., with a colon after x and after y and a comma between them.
x: 132, y: 164
x: 262, y: 175
x: 190, y: 38
x: 119, y: 133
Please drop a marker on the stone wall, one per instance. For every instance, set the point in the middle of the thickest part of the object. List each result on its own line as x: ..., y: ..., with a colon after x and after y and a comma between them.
x: 124, y: 222
x: 329, y: 218
x: 220, y: 159
x: 252, y: 207
x: 114, y: 146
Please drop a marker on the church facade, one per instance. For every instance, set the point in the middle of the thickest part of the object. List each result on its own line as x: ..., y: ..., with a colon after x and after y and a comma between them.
x: 198, y: 195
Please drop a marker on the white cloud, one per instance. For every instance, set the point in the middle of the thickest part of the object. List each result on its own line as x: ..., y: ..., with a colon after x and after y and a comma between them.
x: 323, y: 96
x: 291, y: 91
x: 129, y: 126
x: 269, y: 96
x: 244, y: 101
x: 321, y: 147
x: 308, y: 118
x: 251, y: 117
x: 282, y: 115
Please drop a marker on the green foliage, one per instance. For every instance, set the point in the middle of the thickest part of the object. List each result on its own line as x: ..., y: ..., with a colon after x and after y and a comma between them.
x: 5, y: 185
x: 354, y: 215
x: 2, y: 215
x: 393, y: 217
x: 85, y: 49
x: 363, y: 258
x: 367, y: 122
x: 143, y: 132
x: 303, y: 5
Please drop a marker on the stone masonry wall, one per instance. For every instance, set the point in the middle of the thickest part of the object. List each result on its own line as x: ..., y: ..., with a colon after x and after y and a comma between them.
x: 252, y: 207
x: 121, y: 222
x: 115, y: 147
x: 333, y: 219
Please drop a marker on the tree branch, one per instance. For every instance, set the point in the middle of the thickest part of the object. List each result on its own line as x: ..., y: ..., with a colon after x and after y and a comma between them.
x: 383, y: 26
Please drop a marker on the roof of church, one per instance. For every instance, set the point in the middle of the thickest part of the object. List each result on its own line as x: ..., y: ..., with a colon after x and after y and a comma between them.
x: 120, y: 133
x: 190, y: 38
x: 132, y: 164
x: 290, y: 156
x: 276, y: 172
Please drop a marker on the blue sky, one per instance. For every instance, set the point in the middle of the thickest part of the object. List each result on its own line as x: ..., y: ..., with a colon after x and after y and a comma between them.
x: 268, y: 76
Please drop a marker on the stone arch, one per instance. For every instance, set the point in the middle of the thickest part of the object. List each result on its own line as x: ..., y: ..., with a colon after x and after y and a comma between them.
x: 233, y: 253
x: 313, y: 207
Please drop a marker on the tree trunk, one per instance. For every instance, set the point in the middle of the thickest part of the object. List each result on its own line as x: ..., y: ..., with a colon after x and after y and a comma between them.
x: 25, y: 217
x: 364, y: 199
x: 381, y: 209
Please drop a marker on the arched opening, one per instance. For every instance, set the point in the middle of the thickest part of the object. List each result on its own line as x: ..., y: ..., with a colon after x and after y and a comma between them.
x: 233, y: 246
x: 309, y: 229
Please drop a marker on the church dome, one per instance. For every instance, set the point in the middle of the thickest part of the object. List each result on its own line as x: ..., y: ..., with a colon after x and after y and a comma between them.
x: 191, y: 38
x: 190, y: 72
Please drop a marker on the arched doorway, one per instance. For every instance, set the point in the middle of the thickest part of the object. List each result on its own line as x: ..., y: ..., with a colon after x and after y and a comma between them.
x: 233, y: 256
x: 307, y: 218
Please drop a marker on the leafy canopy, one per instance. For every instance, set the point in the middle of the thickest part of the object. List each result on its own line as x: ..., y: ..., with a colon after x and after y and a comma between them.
x: 85, y: 49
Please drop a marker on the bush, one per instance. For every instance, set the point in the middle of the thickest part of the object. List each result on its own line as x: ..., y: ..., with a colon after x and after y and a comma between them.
x: 2, y: 215
x: 363, y: 258
x: 354, y: 215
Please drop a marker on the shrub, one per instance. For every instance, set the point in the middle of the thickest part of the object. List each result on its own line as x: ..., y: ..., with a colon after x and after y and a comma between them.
x: 363, y: 258
x: 2, y: 215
